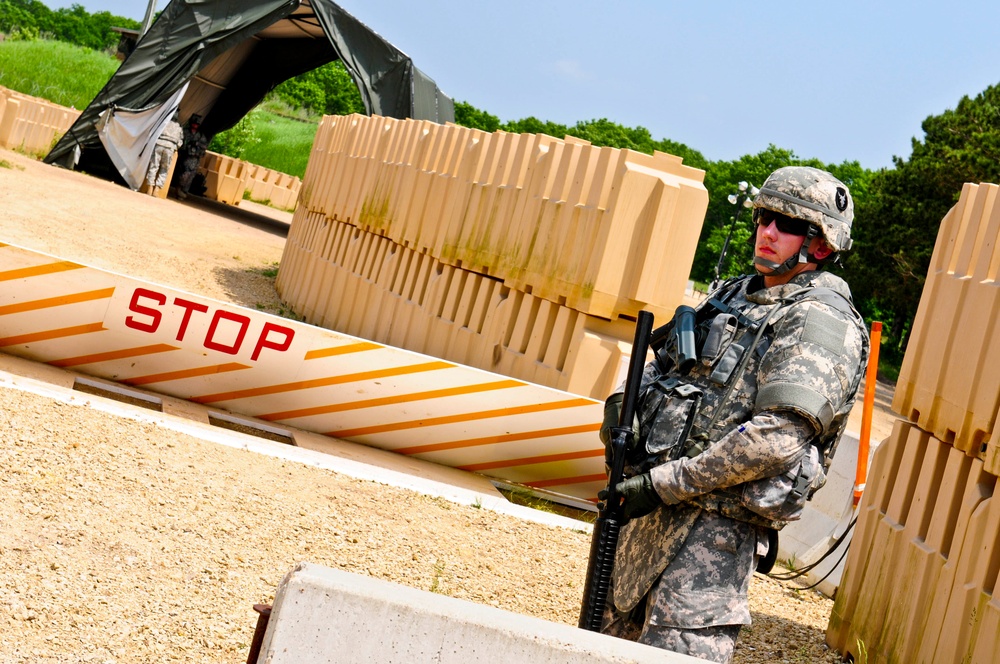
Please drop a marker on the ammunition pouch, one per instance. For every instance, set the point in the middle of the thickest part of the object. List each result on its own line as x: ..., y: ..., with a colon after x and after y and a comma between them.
x: 666, y: 411
x: 783, y: 497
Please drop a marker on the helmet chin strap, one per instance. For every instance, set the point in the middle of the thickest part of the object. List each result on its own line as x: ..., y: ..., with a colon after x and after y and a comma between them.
x: 803, y: 256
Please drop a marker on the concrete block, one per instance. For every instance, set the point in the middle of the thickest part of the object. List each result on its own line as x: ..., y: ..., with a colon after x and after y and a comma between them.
x: 949, y: 383
x: 322, y: 615
x: 924, y: 558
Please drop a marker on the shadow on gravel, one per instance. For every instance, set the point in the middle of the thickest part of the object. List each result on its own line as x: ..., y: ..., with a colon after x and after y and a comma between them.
x: 774, y: 639
x: 253, y: 288
x: 239, y: 215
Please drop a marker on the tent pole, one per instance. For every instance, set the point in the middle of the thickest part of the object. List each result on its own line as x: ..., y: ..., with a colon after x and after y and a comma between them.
x: 146, y: 22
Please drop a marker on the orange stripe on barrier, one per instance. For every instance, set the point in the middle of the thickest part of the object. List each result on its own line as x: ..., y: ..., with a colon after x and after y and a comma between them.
x: 530, y: 461
x: 565, y: 481
x: 389, y: 401
x: 463, y: 417
x: 322, y: 382
x: 500, y: 438
x: 186, y: 373
x: 38, y: 270
x: 50, y: 302
x: 113, y: 355
x: 52, y: 334
x: 341, y: 350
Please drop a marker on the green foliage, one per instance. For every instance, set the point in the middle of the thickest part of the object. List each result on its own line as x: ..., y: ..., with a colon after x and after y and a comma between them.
x: 38, y: 68
x: 468, y: 115
x: 235, y: 141
x: 284, y: 143
x: 326, y: 90
x: 30, y: 19
x: 602, y: 132
x: 902, y: 213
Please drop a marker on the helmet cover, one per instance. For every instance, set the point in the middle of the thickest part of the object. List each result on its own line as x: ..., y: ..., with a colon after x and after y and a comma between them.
x: 812, y: 195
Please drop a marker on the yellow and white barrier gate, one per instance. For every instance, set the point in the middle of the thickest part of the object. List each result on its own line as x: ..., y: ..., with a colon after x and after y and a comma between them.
x: 244, y: 361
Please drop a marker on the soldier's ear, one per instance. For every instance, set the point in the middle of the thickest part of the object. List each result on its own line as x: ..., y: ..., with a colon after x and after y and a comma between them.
x: 822, y: 249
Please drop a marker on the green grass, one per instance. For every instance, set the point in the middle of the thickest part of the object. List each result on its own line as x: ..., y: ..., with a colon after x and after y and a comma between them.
x: 62, y: 73
x: 285, y: 143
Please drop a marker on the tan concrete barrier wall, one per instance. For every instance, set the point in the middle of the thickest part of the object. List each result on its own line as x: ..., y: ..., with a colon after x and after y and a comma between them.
x: 30, y: 124
x: 922, y: 571
x: 921, y: 577
x: 950, y: 383
x: 228, y: 179
x: 516, y: 253
x: 604, y: 231
x: 274, y: 188
x: 394, y: 295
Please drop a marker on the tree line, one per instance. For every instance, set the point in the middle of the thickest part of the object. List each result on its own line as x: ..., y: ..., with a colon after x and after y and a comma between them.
x: 898, y: 210
x: 30, y: 19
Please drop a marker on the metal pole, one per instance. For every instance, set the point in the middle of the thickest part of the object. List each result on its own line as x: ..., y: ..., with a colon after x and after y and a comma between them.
x: 148, y: 21
x: 725, y: 245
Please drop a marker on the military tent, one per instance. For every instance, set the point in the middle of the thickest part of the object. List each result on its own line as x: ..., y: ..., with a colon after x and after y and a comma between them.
x: 229, y: 54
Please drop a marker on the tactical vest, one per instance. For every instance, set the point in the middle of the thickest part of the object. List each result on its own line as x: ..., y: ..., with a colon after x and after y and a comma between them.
x: 683, y: 413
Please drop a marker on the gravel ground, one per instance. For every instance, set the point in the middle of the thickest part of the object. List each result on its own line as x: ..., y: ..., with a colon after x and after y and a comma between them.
x: 123, y: 541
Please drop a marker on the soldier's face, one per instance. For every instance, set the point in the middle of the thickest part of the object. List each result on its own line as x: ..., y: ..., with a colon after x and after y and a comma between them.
x: 776, y: 244
x: 778, y: 240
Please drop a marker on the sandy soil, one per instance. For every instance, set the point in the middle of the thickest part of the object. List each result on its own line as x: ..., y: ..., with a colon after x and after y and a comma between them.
x: 125, y: 542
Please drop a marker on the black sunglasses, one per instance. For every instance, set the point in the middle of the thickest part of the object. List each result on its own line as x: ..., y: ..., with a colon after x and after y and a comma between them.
x: 785, y: 224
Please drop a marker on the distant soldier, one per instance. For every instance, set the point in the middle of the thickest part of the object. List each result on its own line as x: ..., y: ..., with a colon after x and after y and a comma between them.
x: 733, y: 444
x: 163, y: 153
x: 193, y: 149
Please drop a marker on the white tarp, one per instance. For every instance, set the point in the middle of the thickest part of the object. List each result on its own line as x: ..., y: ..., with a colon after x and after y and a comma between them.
x: 130, y: 136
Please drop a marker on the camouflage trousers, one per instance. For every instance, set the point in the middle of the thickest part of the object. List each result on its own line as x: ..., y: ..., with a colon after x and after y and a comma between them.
x: 714, y: 644
x: 698, y: 603
x: 190, y: 169
x: 159, y: 165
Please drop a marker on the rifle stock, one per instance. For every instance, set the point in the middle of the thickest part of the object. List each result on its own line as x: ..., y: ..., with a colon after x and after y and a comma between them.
x: 611, y: 512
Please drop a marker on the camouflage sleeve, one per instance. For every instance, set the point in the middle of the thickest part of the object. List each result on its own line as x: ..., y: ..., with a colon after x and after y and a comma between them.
x: 768, y: 445
x: 811, y: 365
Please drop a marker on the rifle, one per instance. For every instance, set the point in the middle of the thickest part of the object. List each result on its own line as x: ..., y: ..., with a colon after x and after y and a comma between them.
x: 611, y: 512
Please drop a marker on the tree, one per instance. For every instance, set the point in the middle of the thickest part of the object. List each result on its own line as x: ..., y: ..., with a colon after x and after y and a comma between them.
x: 467, y: 115
x: 901, y: 214
x: 326, y: 90
x: 70, y: 24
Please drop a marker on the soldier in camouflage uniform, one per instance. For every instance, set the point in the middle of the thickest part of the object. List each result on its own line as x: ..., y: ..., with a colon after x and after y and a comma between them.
x: 734, y: 445
x: 192, y: 150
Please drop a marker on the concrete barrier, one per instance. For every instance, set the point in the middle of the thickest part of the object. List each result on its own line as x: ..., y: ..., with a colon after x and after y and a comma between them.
x: 321, y: 615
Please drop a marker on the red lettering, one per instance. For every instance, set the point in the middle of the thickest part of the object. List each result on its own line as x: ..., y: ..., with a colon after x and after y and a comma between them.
x: 188, y: 307
x: 264, y: 342
x: 222, y: 336
x: 154, y: 314
x: 242, y: 321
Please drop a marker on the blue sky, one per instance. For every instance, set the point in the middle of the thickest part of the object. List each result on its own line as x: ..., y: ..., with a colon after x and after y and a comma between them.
x: 849, y: 80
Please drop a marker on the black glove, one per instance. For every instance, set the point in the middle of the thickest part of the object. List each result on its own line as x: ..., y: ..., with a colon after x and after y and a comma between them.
x: 612, y: 409
x: 639, y: 495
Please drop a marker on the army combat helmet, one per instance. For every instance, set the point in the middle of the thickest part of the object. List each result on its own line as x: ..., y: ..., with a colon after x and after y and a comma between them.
x: 814, y: 196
